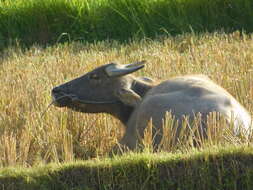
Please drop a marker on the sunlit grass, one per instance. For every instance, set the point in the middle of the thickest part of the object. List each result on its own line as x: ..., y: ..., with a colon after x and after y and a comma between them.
x: 27, y: 77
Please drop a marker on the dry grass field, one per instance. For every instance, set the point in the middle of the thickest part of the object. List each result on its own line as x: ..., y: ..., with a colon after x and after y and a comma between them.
x: 27, y: 76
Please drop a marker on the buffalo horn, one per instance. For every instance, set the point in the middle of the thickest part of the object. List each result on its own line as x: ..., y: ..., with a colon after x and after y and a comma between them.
x: 114, y: 70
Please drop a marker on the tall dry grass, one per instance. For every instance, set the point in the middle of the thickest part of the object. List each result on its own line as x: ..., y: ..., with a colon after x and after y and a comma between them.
x: 27, y: 77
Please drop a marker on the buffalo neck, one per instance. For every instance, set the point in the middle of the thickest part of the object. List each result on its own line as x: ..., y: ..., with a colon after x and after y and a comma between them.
x: 141, y: 87
x: 121, y: 112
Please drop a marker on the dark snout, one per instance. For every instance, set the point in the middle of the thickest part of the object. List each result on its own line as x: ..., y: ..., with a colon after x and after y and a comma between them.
x: 56, y: 90
x: 60, y: 97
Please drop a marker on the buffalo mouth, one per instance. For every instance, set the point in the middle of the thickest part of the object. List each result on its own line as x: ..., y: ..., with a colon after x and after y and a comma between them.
x: 63, y: 100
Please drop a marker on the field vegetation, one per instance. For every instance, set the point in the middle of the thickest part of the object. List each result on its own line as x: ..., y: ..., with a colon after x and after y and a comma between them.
x: 27, y: 77
x: 175, y: 37
x: 50, y: 21
x: 216, y: 168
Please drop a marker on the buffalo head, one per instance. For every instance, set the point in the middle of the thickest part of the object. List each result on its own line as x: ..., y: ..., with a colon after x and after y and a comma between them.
x: 108, y: 88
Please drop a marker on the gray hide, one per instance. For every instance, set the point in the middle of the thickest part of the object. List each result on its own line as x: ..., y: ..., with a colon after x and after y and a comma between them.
x: 112, y: 89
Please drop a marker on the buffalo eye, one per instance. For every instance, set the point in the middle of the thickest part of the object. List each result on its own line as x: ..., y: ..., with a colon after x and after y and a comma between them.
x: 94, y: 76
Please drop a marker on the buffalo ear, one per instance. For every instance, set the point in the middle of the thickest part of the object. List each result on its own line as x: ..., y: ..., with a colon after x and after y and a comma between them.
x: 128, y: 97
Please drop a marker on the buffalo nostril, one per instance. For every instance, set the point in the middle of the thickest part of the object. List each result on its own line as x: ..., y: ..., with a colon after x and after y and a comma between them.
x: 56, y: 90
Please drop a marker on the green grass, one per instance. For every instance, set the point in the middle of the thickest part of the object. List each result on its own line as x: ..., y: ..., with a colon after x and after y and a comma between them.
x: 50, y: 21
x: 215, y: 168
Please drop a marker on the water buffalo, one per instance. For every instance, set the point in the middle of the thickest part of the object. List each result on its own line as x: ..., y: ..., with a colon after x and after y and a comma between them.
x: 134, y: 101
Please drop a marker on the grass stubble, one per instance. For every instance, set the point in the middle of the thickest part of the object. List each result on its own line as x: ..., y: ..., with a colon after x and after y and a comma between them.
x: 27, y: 139
x: 61, y: 135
